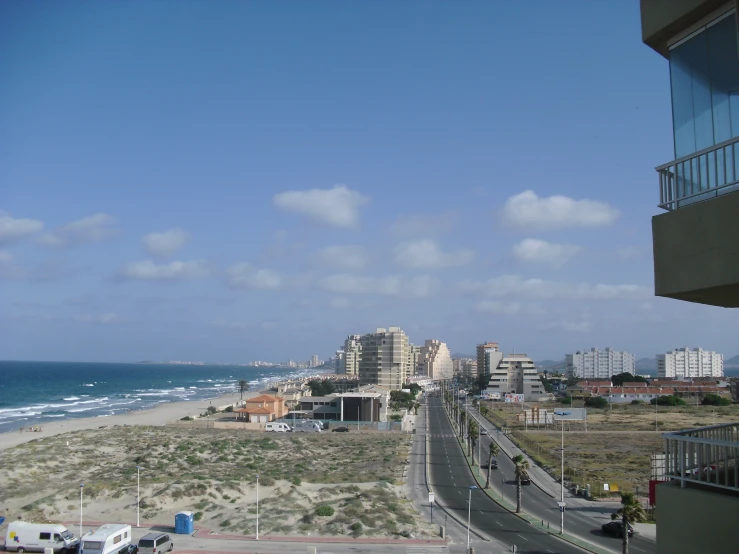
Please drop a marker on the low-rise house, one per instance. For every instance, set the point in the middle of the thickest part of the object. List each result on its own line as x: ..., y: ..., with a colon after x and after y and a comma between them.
x: 262, y: 409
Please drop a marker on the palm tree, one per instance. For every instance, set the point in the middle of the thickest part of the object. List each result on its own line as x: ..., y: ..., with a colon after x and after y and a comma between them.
x: 243, y: 387
x: 630, y: 512
x: 462, y: 419
x: 472, y: 439
x: 492, y: 454
x: 522, y: 467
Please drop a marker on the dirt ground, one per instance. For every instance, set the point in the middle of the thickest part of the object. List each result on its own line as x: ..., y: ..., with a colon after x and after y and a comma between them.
x: 214, y: 473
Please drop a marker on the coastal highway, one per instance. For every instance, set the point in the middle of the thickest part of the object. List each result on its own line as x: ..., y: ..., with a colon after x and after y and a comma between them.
x: 450, y: 479
x: 582, y: 518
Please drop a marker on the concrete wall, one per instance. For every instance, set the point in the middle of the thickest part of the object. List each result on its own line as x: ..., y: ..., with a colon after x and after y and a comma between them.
x: 691, y: 520
x: 696, y: 252
x: 205, y: 424
x: 663, y: 19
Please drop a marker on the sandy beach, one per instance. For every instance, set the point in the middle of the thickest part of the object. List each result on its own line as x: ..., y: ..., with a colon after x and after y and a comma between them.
x: 159, y: 415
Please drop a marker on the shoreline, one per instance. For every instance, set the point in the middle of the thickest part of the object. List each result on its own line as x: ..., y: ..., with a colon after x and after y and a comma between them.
x: 157, y: 416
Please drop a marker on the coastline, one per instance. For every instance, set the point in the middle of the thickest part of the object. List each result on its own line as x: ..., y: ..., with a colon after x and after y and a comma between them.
x: 158, y: 416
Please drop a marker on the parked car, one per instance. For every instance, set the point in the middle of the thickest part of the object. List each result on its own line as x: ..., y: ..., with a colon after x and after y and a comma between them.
x: 129, y: 549
x: 155, y: 543
x: 340, y: 430
x: 615, y: 529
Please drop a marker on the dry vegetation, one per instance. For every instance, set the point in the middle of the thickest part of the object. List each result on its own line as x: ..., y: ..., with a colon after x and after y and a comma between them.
x: 213, y: 473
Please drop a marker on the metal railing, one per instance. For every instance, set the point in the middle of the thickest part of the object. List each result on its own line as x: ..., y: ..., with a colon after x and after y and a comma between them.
x: 706, y: 174
x: 708, y: 456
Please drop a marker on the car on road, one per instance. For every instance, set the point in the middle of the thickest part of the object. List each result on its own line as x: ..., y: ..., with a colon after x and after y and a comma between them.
x: 525, y: 481
x: 340, y: 430
x: 493, y: 465
x: 616, y: 529
x: 483, y: 431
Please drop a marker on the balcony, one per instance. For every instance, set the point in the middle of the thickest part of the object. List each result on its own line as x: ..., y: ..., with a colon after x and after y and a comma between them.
x: 705, y: 458
x: 704, y: 175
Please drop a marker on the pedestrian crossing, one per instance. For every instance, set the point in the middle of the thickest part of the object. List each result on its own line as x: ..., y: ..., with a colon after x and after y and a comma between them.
x: 441, y: 435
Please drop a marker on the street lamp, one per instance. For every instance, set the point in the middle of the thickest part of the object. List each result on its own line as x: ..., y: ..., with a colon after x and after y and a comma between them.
x: 138, y: 493
x: 82, y: 486
x: 469, y: 511
x: 561, y: 502
x: 257, y: 508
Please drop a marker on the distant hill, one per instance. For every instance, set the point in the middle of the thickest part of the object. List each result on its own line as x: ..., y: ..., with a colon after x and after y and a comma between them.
x: 646, y: 364
x: 458, y: 356
x: 549, y: 363
x: 732, y: 362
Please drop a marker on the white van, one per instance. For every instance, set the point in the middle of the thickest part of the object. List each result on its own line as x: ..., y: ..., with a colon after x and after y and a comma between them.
x: 278, y: 427
x: 23, y: 536
x: 307, y: 427
x: 106, y: 539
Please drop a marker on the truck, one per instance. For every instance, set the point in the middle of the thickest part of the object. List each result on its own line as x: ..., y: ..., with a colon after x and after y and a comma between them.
x: 106, y: 539
x: 23, y: 536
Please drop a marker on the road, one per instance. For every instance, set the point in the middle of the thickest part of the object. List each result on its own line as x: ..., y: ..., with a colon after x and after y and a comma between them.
x: 582, y: 518
x: 451, y: 479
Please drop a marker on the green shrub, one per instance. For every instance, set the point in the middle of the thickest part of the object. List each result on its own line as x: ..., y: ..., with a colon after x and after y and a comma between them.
x: 211, y: 410
x: 296, y: 481
x: 186, y: 418
x: 229, y: 409
x: 197, y: 516
x: 356, y: 526
x: 324, y: 511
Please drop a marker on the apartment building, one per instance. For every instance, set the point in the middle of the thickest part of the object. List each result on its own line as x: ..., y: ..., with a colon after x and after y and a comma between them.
x: 488, y: 357
x: 414, y: 359
x: 464, y: 367
x: 695, y: 248
x: 435, y: 361
x: 385, y: 358
x: 517, y: 374
x: 686, y: 362
x: 599, y: 364
x: 352, y: 355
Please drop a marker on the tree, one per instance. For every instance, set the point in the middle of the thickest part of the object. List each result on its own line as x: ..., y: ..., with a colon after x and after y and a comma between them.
x: 596, y: 402
x: 471, y: 439
x: 243, y: 387
x: 493, y: 452
x: 416, y: 405
x: 619, y: 379
x: 522, y: 467
x: 715, y: 400
x: 630, y: 512
x: 667, y: 400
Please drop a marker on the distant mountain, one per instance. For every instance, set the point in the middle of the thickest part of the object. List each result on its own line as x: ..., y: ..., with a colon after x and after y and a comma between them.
x: 458, y: 356
x: 646, y: 364
x: 732, y: 362
x: 549, y: 363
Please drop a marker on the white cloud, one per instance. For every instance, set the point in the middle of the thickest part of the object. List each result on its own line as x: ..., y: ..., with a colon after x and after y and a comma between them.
x: 165, y: 243
x: 423, y: 225
x: 97, y: 318
x: 13, y: 230
x: 344, y: 257
x: 337, y: 207
x: 541, y: 251
x: 499, y: 308
x: 244, y: 276
x: 516, y: 286
x: 426, y: 254
x: 5, y: 256
x: 556, y: 212
x: 391, y: 285
x: 95, y: 228
x: 146, y: 270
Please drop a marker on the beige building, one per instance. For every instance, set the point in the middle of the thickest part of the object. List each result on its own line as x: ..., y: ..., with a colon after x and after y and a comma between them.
x: 435, y: 361
x: 488, y: 357
x: 352, y: 354
x: 414, y: 358
x: 517, y: 374
x: 385, y: 358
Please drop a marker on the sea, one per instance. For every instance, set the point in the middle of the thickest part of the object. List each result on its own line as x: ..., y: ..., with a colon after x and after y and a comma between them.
x: 34, y: 393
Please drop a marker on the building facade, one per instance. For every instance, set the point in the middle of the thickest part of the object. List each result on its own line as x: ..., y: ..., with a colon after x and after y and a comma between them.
x: 352, y: 355
x: 485, y: 362
x: 686, y: 362
x: 599, y: 364
x: 517, y: 374
x: 435, y: 361
x: 385, y: 358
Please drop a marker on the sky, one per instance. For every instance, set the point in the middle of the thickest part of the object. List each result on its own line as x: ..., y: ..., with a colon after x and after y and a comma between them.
x: 231, y: 181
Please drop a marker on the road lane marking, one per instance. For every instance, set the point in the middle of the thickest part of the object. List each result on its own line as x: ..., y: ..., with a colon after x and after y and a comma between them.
x: 524, y: 538
x: 499, y: 523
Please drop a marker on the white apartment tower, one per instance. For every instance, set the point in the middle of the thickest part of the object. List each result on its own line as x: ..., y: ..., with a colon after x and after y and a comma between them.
x: 352, y: 355
x: 599, y: 364
x: 435, y: 361
x: 385, y: 358
x: 684, y: 362
x: 516, y: 373
x: 488, y: 357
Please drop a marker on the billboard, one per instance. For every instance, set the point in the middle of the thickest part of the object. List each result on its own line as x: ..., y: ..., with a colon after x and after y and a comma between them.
x: 571, y: 414
x: 491, y: 395
x: 510, y: 397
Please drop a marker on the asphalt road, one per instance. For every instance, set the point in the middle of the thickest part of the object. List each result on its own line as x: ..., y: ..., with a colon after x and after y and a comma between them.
x: 451, y: 480
x: 582, y: 521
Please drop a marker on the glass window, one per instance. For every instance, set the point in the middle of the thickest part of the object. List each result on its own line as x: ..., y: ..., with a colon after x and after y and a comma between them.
x: 44, y: 536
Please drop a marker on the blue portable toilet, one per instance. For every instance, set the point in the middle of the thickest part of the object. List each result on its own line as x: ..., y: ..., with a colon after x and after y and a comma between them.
x: 184, y: 523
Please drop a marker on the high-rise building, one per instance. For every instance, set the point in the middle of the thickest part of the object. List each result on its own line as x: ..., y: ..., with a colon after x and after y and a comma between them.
x: 435, y: 361
x: 385, y: 358
x: 314, y: 360
x: 464, y: 367
x: 488, y: 357
x: 352, y: 354
x: 599, y: 364
x: 414, y: 356
x: 339, y: 361
x: 686, y: 362
x: 517, y: 374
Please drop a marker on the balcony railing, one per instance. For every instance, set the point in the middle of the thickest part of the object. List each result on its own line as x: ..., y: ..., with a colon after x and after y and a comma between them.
x: 701, y: 176
x: 706, y: 457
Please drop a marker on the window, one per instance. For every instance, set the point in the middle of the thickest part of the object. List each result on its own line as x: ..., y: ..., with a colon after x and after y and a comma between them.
x: 44, y: 536
x: 117, y: 539
x: 57, y: 537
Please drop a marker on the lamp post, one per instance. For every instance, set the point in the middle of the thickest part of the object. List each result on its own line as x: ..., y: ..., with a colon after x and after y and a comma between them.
x: 257, y: 536
x: 562, y: 475
x: 479, y: 446
x: 138, y: 493
x: 469, y: 512
x: 82, y: 486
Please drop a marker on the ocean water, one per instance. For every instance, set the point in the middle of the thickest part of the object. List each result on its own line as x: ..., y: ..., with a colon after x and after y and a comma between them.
x: 34, y: 393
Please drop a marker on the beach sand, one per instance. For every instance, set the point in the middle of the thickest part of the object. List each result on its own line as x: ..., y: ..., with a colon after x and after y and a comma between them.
x: 157, y: 416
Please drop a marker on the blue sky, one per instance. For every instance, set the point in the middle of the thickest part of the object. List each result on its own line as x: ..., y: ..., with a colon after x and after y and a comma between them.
x: 229, y: 181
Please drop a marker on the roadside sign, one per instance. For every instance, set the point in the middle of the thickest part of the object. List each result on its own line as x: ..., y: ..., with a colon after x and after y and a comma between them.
x: 431, y: 498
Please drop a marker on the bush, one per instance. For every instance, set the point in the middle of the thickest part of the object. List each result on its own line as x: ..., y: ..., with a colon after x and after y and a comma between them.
x: 186, y: 418
x: 296, y: 481
x: 229, y: 409
x: 637, y: 402
x: 715, y: 400
x: 197, y: 516
x: 596, y: 402
x: 667, y: 401
x: 211, y: 410
x: 324, y: 511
